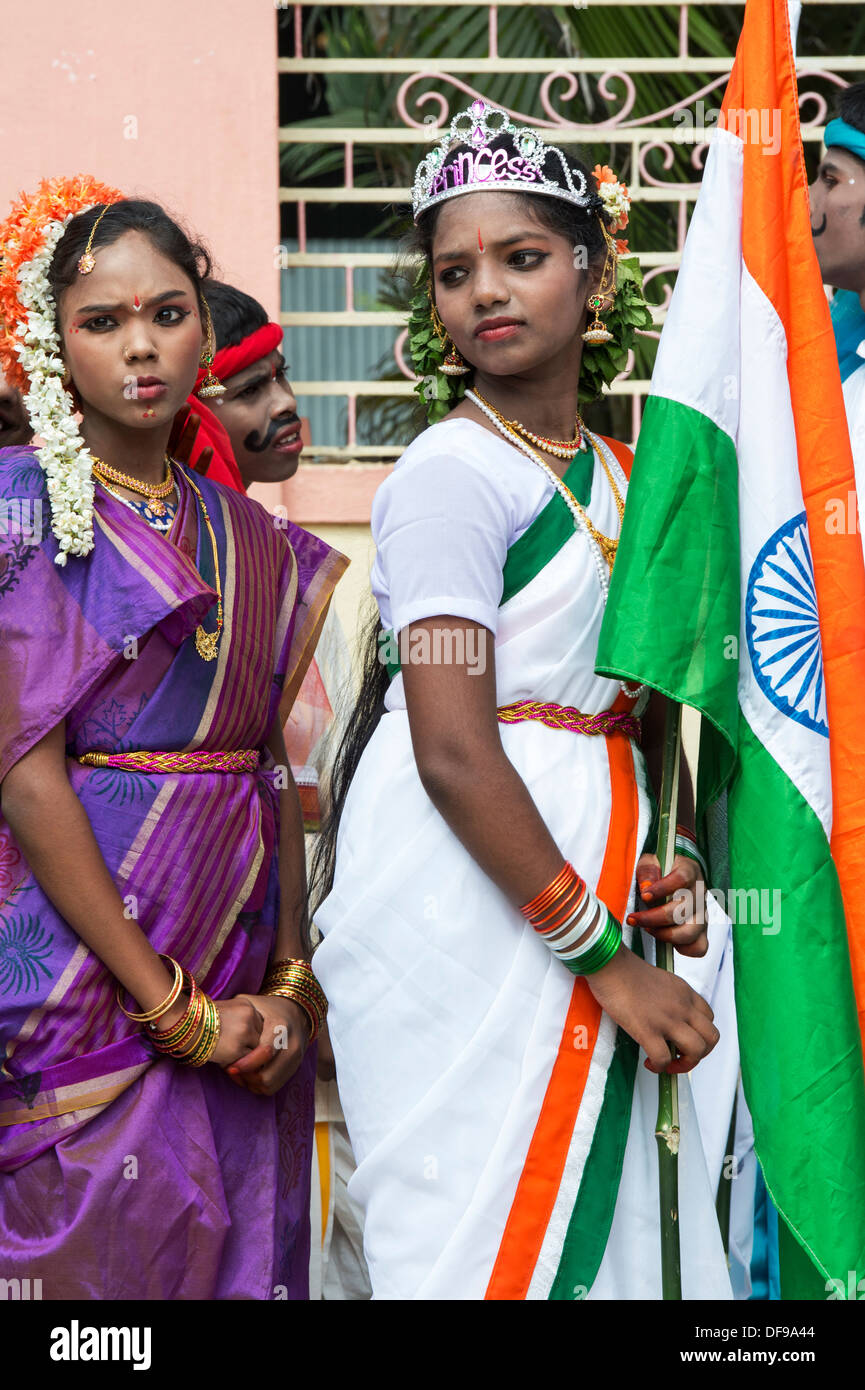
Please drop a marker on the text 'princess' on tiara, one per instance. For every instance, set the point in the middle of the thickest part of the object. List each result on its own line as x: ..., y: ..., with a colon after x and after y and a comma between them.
x: 478, y: 168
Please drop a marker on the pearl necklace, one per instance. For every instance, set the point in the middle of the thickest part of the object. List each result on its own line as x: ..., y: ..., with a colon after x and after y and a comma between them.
x: 577, y: 512
x: 559, y: 448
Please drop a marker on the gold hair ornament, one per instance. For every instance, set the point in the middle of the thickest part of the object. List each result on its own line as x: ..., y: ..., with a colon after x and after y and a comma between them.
x: 87, y: 261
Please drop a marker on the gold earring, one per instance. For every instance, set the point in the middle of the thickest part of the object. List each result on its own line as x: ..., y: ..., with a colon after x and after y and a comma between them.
x: 453, y: 365
x: 211, y: 385
x: 597, y: 333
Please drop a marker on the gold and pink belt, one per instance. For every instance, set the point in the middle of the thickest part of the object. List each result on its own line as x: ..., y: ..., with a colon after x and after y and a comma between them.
x: 241, y: 760
x: 608, y: 722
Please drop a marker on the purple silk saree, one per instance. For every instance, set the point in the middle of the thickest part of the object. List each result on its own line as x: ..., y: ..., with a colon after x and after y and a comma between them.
x: 122, y: 1174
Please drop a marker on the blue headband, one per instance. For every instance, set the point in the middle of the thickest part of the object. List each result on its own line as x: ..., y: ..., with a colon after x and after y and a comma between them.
x: 840, y: 133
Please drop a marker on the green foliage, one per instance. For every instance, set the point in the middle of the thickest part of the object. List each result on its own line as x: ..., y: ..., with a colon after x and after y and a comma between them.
x: 604, y: 32
x: 600, y: 362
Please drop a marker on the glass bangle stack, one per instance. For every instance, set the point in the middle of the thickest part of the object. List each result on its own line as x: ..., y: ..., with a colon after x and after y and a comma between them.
x: 192, y: 1040
x: 294, y: 980
x: 565, y: 912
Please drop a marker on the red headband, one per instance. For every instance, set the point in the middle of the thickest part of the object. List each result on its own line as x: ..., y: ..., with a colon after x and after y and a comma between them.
x: 231, y: 360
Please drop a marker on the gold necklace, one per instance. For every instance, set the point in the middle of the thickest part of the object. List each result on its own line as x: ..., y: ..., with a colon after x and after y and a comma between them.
x: 606, y: 544
x: 133, y: 505
x: 206, y: 643
x: 154, y: 492
x: 559, y: 448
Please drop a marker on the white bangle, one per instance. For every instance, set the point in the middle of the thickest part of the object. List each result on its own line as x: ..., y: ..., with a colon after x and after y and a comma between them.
x: 591, y: 940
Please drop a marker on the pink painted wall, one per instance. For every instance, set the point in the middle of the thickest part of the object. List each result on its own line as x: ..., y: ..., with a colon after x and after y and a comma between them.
x: 174, y: 100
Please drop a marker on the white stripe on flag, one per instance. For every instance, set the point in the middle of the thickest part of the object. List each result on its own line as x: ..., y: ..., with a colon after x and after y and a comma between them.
x: 698, y: 355
x: 776, y: 606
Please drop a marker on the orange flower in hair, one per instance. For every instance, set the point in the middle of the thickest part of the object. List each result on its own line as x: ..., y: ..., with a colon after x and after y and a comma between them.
x: 614, y: 196
x: 22, y: 238
x: 30, y: 350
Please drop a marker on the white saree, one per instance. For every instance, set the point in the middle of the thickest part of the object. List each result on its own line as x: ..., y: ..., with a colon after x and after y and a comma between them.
x: 503, y: 1126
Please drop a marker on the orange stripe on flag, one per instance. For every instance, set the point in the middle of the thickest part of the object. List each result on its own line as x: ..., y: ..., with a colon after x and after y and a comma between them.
x: 775, y: 196
x: 541, y: 1177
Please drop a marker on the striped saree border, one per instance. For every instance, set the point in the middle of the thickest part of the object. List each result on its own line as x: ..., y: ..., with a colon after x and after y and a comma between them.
x: 592, y: 1214
x: 550, y: 530
x: 555, y: 1165
x: 82, y: 1095
x: 310, y: 620
x: 553, y: 527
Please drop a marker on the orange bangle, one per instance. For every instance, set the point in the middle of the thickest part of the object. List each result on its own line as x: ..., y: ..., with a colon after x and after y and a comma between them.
x: 562, y: 917
x: 565, y: 875
x: 562, y: 907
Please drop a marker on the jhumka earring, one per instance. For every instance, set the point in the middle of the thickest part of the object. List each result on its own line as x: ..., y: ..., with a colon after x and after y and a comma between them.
x: 597, y: 333
x: 453, y: 364
x: 211, y: 385
x: 87, y: 261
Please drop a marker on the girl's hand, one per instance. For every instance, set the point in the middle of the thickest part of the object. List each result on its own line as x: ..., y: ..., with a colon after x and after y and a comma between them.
x: 689, y: 937
x: 239, y: 1031
x: 657, y: 1009
x: 281, y: 1046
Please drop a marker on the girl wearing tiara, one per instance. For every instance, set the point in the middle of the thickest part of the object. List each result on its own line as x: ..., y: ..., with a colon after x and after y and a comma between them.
x: 494, y: 1011
x: 157, y: 1001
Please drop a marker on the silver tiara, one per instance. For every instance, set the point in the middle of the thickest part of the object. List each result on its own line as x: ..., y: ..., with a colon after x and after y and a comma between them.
x: 478, y: 167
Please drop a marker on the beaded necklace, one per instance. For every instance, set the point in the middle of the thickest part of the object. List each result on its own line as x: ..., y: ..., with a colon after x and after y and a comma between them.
x: 162, y: 522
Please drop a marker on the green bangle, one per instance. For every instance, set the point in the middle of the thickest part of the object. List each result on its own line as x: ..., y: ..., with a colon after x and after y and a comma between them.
x: 687, y: 848
x: 602, y: 952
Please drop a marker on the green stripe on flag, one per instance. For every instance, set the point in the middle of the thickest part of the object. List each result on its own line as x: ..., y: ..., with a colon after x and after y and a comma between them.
x: 798, y: 1027
x: 681, y: 526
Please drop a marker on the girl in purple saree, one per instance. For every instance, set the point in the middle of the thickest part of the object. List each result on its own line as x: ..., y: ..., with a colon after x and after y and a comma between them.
x: 173, y: 656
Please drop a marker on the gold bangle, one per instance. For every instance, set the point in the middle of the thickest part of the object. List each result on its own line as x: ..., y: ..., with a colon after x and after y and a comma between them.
x: 285, y: 963
x: 170, y: 998
x: 308, y: 1006
x: 174, y: 1040
x: 205, y: 1044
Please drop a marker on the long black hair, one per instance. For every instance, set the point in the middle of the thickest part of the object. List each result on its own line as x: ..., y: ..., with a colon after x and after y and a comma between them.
x: 582, y: 225
x: 359, y: 728
x: 127, y: 215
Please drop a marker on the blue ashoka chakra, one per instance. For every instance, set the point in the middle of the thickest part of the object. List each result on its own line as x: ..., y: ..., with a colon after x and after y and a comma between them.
x: 783, y: 627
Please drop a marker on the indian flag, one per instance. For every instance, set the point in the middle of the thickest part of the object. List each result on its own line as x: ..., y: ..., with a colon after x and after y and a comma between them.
x: 736, y: 591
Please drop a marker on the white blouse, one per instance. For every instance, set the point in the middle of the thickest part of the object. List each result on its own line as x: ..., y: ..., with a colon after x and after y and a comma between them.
x: 443, y: 521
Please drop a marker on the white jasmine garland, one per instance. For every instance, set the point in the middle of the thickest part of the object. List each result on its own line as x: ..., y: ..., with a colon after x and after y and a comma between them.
x: 64, y: 457
x: 616, y: 200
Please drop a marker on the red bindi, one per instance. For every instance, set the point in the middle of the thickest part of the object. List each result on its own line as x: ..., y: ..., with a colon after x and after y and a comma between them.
x: 136, y: 304
x: 480, y: 243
